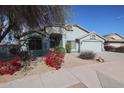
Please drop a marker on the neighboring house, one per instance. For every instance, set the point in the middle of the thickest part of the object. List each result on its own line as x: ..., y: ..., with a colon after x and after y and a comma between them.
x: 114, y: 40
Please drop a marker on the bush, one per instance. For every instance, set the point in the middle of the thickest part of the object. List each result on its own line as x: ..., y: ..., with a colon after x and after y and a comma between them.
x: 110, y: 48
x: 26, y: 58
x: 59, y: 50
x: 24, y: 55
x: 11, y: 66
x: 120, y: 49
x: 54, y: 60
x: 87, y: 55
x: 68, y: 47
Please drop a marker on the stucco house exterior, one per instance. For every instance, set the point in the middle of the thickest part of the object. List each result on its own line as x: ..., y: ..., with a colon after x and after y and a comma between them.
x: 80, y: 39
x: 114, y: 39
x: 58, y: 35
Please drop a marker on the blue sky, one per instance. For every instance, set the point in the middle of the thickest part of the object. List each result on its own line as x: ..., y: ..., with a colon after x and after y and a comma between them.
x: 100, y: 19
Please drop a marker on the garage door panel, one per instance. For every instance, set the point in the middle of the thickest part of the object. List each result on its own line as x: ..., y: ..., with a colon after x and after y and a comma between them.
x: 91, y: 46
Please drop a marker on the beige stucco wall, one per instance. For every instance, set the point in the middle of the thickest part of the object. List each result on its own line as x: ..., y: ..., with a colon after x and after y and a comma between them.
x: 115, y: 36
x: 116, y: 44
x: 55, y: 30
x: 76, y: 33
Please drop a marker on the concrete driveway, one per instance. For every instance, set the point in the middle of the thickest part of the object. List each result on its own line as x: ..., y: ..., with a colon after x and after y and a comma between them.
x: 112, y: 56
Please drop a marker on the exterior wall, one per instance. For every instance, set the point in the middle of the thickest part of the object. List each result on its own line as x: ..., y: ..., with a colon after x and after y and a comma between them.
x: 116, y: 44
x: 68, y: 35
x: 64, y: 40
x: 76, y: 33
x: 73, y: 35
x: 55, y: 30
x: 96, y: 44
x: 96, y: 38
x: 46, y: 45
x: 75, y: 49
x: 115, y: 36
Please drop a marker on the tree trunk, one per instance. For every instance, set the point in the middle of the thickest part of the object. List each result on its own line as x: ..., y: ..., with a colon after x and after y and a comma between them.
x: 5, y: 32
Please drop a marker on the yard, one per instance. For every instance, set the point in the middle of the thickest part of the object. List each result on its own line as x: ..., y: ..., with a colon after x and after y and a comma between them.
x: 71, y: 60
x: 39, y: 67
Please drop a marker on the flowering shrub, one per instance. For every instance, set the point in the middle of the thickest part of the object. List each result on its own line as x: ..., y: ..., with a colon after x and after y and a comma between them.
x: 59, y: 50
x: 54, y: 60
x: 10, y: 67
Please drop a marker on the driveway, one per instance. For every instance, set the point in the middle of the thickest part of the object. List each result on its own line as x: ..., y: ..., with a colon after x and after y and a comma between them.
x: 105, y: 75
x: 72, y: 60
x: 112, y: 56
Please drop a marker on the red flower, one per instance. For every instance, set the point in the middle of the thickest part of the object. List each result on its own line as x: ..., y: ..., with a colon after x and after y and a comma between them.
x: 54, y: 60
x: 10, y: 67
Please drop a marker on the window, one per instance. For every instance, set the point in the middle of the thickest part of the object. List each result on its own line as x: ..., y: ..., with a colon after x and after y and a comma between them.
x: 35, y: 44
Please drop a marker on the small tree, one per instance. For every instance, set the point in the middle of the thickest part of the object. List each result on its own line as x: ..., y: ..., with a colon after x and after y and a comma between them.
x: 15, y: 18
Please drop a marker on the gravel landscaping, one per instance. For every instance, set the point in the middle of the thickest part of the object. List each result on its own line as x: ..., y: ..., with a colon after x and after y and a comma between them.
x: 38, y: 67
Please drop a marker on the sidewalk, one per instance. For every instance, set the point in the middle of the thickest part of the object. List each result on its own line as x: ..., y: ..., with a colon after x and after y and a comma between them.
x: 92, y: 76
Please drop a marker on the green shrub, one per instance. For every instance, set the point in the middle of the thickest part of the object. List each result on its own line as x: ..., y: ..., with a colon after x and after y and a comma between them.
x: 68, y: 47
x: 59, y: 50
x: 120, y: 49
x: 87, y: 55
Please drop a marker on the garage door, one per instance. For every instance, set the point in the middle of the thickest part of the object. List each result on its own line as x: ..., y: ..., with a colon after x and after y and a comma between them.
x: 91, y: 46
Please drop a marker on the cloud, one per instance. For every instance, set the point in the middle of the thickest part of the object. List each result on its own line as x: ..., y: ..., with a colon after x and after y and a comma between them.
x: 119, y: 17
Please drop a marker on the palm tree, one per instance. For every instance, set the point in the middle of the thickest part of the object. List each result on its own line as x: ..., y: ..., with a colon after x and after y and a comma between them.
x: 13, y: 18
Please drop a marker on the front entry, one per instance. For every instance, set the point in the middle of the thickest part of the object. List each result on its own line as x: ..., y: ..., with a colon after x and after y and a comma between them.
x: 55, y: 40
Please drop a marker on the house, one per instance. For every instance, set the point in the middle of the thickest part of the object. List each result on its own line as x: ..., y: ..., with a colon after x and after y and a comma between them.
x: 80, y: 38
x: 114, y: 39
x: 35, y: 42
x: 38, y: 43
x: 6, y: 46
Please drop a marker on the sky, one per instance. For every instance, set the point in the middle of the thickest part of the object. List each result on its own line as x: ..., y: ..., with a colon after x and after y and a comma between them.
x: 100, y: 19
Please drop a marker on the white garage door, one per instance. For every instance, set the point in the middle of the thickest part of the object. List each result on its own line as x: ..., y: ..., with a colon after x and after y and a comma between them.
x: 95, y: 46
